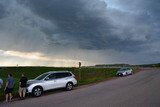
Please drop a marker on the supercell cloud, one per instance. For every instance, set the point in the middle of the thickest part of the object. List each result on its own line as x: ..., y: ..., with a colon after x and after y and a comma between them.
x: 91, y: 31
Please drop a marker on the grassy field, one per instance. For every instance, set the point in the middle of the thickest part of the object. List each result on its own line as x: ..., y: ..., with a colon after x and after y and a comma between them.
x: 83, y: 75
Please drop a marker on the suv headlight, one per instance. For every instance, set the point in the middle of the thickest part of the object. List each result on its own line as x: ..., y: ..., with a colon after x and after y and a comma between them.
x: 29, y: 85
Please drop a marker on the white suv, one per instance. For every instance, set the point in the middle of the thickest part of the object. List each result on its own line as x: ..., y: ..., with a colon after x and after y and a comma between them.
x: 51, y: 80
x: 124, y: 71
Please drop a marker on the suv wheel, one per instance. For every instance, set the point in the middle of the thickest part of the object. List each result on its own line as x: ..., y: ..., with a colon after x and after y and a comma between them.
x: 69, y: 86
x: 37, y: 91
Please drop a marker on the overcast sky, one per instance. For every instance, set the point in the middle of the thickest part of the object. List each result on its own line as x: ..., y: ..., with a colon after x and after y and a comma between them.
x: 64, y: 32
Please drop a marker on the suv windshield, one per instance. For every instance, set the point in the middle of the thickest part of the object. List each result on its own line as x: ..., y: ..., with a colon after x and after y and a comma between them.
x: 41, y: 77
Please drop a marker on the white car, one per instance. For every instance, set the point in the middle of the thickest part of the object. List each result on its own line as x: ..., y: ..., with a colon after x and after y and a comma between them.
x: 51, y: 80
x: 124, y: 71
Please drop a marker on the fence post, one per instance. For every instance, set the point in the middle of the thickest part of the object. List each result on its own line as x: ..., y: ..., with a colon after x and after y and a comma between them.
x: 79, y: 70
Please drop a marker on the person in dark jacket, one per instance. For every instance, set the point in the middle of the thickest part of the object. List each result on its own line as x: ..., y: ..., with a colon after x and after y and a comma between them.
x: 22, y: 87
x: 9, y: 87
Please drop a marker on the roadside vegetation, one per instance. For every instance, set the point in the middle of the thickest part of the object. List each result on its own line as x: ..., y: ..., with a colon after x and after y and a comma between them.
x: 83, y: 75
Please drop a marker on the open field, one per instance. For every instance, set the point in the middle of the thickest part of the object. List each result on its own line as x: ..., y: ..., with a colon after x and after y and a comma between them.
x: 138, y: 90
x: 83, y: 75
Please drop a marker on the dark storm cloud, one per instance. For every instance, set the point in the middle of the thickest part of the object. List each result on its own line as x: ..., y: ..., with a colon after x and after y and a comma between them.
x: 81, y: 23
x: 3, y: 12
x: 117, y: 31
x: 150, y: 7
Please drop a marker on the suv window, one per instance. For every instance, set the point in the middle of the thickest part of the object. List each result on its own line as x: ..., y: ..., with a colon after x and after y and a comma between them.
x: 62, y: 75
x: 41, y: 77
x: 51, y: 76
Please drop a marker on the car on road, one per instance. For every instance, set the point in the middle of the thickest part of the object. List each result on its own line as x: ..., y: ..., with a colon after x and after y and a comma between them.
x: 124, y: 71
x: 51, y: 80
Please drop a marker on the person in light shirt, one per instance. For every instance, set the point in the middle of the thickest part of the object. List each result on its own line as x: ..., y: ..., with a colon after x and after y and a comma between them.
x: 9, y: 87
x: 1, y: 83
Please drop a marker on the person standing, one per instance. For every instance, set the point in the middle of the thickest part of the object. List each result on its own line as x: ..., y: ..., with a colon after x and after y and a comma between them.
x: 22, y: 86
x: 1, y: 83
x: 9, y: 87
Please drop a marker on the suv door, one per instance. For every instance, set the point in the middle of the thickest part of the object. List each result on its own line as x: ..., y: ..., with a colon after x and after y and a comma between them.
x: 61, y: 79
x: 49, y: 82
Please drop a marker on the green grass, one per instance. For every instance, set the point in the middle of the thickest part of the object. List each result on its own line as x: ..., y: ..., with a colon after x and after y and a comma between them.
x: 83, y: 75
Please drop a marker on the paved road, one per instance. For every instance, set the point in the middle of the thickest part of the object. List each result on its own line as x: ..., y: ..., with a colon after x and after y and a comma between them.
x: 138, y: 90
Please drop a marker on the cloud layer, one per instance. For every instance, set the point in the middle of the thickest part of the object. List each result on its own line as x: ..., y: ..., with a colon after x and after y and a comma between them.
x: 83, y: 30
x: 88, y: 25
